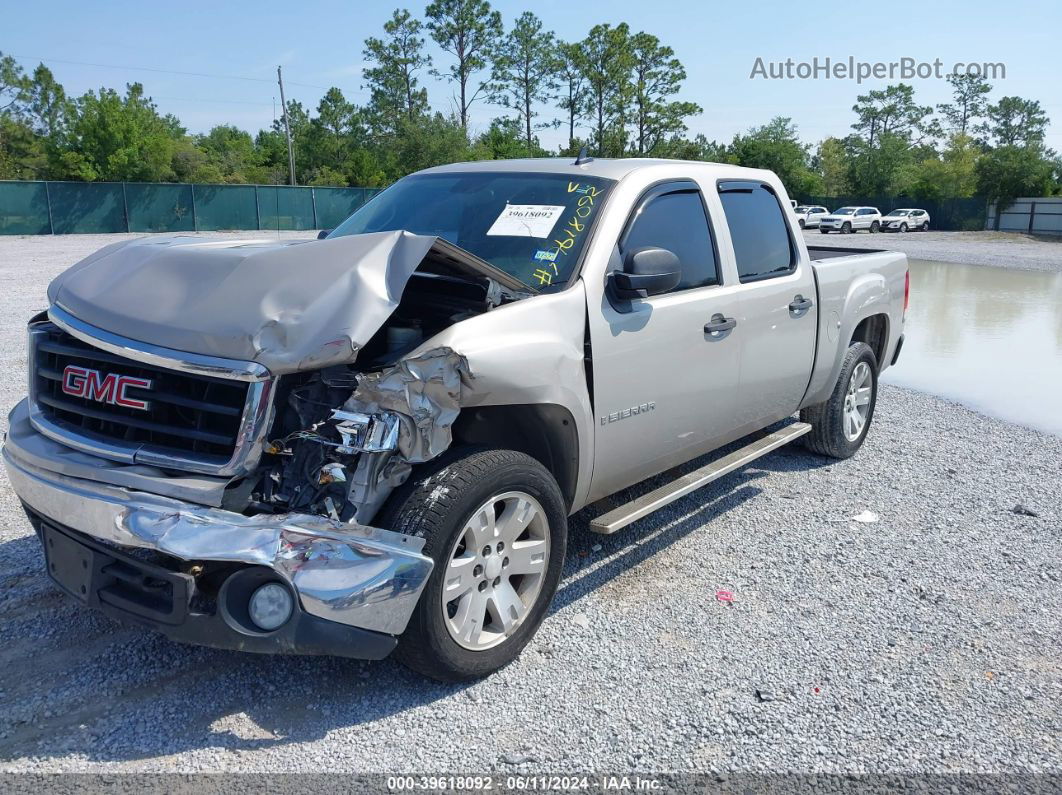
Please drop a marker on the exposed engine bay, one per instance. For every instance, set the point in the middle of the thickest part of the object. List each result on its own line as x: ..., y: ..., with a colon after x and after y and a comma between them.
x: 345, y: 436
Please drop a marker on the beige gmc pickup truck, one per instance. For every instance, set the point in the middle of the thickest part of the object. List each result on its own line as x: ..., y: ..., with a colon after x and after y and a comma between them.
x: 371, y: 442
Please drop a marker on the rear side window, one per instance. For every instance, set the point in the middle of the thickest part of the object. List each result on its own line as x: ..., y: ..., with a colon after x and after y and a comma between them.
x: 762, y: 246
x: 677, y: 221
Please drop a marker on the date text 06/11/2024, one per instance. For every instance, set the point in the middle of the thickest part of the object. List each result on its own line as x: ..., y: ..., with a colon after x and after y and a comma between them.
x: 521, y: 783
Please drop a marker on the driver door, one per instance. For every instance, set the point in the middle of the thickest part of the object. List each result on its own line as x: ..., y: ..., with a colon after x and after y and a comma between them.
x: 665, y: 387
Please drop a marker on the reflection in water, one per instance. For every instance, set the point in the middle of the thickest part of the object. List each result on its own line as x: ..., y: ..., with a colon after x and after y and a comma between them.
x: 987, y: 337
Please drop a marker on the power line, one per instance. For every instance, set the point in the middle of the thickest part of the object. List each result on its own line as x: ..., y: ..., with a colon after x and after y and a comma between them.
x: 209, y: 75
x: 213, y: 101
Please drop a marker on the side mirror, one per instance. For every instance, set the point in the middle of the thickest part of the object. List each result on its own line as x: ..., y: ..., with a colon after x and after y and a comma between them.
x: 323, y: 234
x: 646, y: 271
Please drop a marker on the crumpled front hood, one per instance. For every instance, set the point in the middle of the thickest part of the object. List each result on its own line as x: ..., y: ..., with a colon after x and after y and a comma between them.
x: 288, y: 305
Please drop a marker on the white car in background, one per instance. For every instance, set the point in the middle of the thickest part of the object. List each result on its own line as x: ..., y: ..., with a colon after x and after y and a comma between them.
x: 905, y: 220
x: 809, y: 215
x: 851, y: 219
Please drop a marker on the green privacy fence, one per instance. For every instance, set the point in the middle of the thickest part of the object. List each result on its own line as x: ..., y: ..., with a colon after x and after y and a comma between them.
x: 945, y: 214
x: 62, y: 208
x: 41, y: 208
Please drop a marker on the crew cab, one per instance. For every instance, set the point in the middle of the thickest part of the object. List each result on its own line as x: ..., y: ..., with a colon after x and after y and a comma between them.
x: 372, y: 442
x: 906, y: 219
x: 847, y: 220
x: 809, y: 216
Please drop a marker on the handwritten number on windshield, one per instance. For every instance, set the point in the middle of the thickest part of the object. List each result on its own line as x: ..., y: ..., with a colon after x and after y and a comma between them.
x: 574, y: 227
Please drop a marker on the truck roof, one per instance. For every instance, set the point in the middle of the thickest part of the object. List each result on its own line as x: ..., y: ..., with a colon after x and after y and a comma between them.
x: 608, y: 168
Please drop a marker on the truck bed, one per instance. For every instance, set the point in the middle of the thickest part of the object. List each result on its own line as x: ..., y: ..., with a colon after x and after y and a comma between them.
x: 820, y: 253
x: 854, y: 283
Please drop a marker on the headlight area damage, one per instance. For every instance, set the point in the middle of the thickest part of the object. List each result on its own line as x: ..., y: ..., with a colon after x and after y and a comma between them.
x: 341, y: 330
x: 344, y: 462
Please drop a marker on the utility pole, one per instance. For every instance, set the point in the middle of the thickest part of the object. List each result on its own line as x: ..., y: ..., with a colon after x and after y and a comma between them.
x: 287, y: 128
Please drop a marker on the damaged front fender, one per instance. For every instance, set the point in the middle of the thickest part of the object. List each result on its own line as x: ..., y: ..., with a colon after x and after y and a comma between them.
x: 424, y: 392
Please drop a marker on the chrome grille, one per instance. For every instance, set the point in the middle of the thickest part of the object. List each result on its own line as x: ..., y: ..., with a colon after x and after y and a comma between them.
x: 191, y: 421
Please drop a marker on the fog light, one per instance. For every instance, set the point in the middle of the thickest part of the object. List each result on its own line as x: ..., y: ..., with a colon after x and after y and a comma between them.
x: 270, y: 606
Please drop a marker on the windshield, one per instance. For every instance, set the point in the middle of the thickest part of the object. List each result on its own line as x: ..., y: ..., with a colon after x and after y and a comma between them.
x: 845, y: 211
x: 532, y: 226
x: 899, y: 212
x: 800, y: 209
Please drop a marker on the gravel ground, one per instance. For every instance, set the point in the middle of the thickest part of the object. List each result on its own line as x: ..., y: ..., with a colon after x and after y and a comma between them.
x: 998, y: 249
x: 927, y: 641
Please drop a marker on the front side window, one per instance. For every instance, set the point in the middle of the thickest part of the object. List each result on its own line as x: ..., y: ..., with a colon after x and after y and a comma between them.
x: 762, y: 246
x: 533, y: 226
x: 677, y: 221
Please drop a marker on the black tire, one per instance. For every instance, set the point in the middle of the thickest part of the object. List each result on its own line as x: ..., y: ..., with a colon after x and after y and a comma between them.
x: 435, y: 503
x: 874, y: 227
x: 846, y: 228
x: 827, y: 436
x: 925, y: 226
x: 903, y: 227
x: 801, y: 223
x: 825, y: 231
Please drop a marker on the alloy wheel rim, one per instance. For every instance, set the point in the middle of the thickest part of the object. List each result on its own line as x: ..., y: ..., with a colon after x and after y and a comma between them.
x: 495, y: 570
x: 857, y: 401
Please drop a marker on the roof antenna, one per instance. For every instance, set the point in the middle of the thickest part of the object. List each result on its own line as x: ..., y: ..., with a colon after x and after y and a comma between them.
x: 583, y: 157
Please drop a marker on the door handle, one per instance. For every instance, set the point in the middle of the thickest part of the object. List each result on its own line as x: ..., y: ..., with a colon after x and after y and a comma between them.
x: 799, y: 305
x: 718, y: 324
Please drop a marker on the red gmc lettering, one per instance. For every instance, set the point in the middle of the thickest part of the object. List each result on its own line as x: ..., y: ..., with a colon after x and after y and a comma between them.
x: 91, y: 384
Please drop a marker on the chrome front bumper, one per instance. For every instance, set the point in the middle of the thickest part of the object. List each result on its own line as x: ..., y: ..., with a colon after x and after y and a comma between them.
x: 360, y: 576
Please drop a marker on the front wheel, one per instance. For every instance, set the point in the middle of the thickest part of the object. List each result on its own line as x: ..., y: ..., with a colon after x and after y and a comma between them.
x: 903, y: 227
x: 846, y: 228
x: 840, y: 425
x: 801, y: 223
x: 494, y: 522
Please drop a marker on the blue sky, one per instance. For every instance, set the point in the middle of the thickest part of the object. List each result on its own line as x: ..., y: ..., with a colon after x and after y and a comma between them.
x: 320, y: 44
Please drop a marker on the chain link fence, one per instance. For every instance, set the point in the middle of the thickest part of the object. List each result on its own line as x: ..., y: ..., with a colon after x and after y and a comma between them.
x: 63, y: 208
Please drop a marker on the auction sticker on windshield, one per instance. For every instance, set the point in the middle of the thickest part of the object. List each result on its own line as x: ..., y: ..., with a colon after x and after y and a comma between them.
x: 526, y: 220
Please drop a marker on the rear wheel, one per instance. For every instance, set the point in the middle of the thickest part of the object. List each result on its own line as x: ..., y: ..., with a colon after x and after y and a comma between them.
x: 840, y: 425
x: 925, y: 226
x: 494, y: 522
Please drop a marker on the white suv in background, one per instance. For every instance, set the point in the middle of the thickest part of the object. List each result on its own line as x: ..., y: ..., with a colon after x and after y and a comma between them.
x: 809, y: 215
x: 904, y: 220
x: 851, y: 219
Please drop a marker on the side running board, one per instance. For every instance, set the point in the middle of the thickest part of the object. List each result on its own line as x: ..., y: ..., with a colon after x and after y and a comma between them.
x: 620, y: 517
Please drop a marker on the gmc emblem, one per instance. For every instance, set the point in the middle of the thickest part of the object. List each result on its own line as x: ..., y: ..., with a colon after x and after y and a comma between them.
x: 110, y: 388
